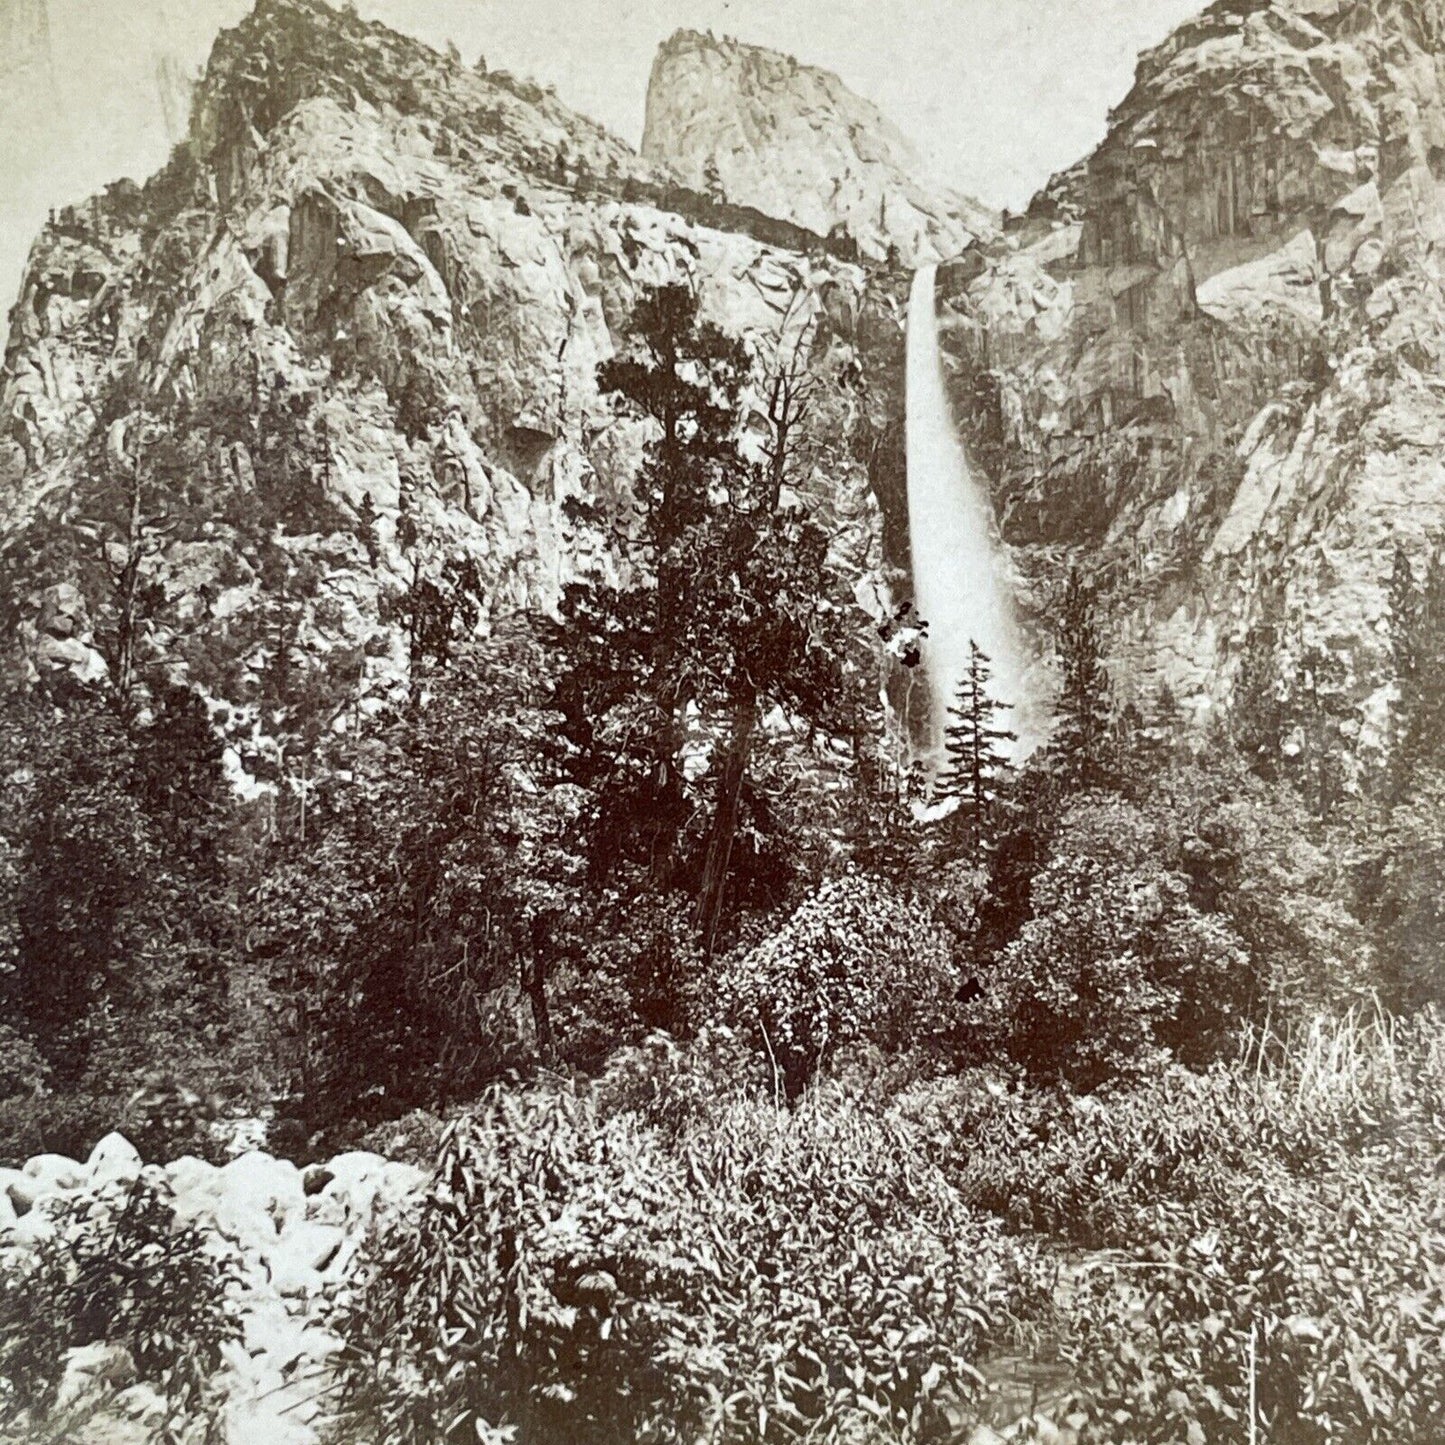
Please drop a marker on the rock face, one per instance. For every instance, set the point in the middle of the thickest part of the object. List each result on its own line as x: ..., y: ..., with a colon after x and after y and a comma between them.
x: 348, y: 339
x: 1205, y: 365
x: 795, y: 142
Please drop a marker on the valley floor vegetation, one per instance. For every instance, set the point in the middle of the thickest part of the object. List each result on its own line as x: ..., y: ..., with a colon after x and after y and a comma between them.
x: 791, y: 1097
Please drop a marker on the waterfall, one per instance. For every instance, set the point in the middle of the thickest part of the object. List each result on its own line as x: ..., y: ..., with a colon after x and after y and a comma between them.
x: 959, y: 582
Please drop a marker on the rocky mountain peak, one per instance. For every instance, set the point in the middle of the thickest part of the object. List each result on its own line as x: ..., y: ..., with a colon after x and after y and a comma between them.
x: 793, y: 141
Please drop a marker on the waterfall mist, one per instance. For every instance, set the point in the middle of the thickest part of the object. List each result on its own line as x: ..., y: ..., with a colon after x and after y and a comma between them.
x: 960, y: 584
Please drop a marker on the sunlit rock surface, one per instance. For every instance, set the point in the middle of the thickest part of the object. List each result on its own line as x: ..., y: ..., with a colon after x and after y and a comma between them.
x: 409, y: 271
x: 290, y: 1237
x: 795, y: 142
x: 1204, y: 365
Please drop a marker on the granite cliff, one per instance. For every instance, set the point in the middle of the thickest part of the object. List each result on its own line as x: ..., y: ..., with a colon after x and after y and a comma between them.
x: 348, y: 339
x: 794, y: 141
x: 1205, y: 364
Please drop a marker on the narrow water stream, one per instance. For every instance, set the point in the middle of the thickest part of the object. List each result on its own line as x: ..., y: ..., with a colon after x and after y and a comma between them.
x: 960, y: 583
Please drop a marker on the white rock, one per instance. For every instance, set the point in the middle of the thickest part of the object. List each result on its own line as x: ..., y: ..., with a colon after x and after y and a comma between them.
x: 257, y: 1184
x: 32, y: 1229
x: 91, y: 1370
x: 114, y: 1158
x: 196, y: 1189
x: 301, y: 1255
x: 143, y: 1404
x: 56, y: 1171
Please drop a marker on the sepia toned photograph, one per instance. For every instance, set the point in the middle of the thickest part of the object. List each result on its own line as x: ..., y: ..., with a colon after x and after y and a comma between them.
x: 722, y: 722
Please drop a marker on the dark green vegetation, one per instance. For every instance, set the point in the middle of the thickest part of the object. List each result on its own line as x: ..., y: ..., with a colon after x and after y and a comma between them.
x: 781, y: 1108
x: 117, y: 1270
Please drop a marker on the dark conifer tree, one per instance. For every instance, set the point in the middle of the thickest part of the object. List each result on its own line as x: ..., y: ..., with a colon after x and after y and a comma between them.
x: 976, y: 749
x: 1083, y: 740
x: 1419, y: 660
x: 1407, y: 612
x: 1257, y: 717
x: 1149, y: 735
x: 730, y: 607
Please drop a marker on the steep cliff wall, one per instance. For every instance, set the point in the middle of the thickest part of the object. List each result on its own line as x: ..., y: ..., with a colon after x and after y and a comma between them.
x: 1205, y: 364
x: 405, y: 273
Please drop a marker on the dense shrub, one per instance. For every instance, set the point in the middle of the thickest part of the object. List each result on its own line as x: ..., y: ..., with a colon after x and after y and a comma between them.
x: 1412, y: 884
x: 162, y: 1121
x: 674, y: 1087
x: 768, y: 1276
x: 1287, y: 1207
x: 1116, y: 967
x: 118, y: 1268
x: 857, y: 960
x: 1100, y: 1171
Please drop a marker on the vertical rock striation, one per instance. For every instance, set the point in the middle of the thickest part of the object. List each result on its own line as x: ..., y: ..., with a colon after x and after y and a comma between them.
x: 367, y: 300
x: 1204, y: 365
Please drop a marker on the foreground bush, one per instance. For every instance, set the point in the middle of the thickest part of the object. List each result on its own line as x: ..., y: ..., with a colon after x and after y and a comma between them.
x: 857, y: 961
x: 770, y: 1278
x: 118, y: 1269
x: 1275, y: 1232
x: 1117, y: 969
x: 1320, y: 1307
x: 1310, y: 1294
x: 1099, y: 1172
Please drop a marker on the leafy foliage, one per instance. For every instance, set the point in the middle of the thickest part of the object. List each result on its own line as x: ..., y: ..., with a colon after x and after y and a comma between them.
x: 1307, y: 1296
x: 854, y: 961
x: 1116, y: 965
x: 117, y: 916
x: 117, y: 1268
x: 766, y: 1278
x: 428, y: 895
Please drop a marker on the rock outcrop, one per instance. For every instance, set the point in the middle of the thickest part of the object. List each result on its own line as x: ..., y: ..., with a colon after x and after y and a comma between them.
x: 1203, y: 366
x: 349, y: 338
x: 794, y: 141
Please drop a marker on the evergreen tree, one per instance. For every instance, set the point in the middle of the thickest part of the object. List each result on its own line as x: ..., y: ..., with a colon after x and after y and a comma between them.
x: 1084, y: 715
x: 1419, y: 655
x: 1318, y: 716
x: 1407, y: 605
x: 977, y: 751
x: 1257, y: 716
x: 1149, y: 735
x: 730, y: 605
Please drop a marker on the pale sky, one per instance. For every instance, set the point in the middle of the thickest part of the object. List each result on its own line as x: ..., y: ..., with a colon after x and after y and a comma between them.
x: 998, y: 94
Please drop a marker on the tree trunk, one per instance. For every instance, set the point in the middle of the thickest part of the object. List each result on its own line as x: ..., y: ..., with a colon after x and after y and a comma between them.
x: 534, y: 984
x: 725, y: 820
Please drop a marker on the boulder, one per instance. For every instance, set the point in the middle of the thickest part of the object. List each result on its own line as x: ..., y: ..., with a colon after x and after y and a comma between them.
x: 114, y: 1160
x: 19, y: 1190
x: 32, y: 1229
x: 261, y: 1178
x: 90, y: 1373
x: 55, y: 1172
x: 195, y: 1187
x: 306, y: 1245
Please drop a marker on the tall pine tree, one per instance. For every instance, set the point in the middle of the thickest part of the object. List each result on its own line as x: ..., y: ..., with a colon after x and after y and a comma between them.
x: 1083, y: 739
x: 977, y: 751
